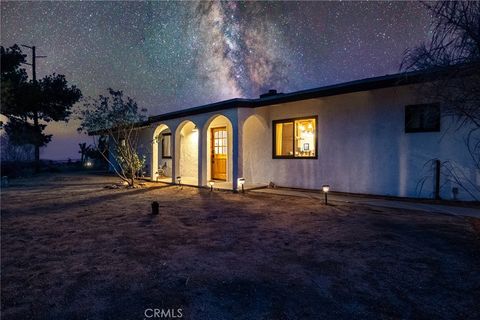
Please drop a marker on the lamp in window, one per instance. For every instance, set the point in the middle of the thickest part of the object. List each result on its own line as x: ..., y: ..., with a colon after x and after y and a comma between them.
x: 325, y: 189
x: 211, y: 183
x: 241, y: 182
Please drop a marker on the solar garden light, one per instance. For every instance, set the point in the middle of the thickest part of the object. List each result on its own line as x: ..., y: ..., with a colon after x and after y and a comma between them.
x: 179, y: 180
x: 325, y: 189
x: 211, y: 183
x: 241, y: 182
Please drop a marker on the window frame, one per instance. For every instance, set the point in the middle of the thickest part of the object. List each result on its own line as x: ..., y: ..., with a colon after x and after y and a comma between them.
x: 274, y: 137
x: 417, y: 130
x: 163, y: 149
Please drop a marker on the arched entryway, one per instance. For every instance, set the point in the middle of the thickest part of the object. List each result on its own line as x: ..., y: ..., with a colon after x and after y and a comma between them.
x: 256, y: 147
x: 219, y: 149
x: 186, y: 152
x: 162, y: 150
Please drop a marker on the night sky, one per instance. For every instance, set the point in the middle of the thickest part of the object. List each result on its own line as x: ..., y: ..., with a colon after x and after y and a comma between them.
x: 174, y: 55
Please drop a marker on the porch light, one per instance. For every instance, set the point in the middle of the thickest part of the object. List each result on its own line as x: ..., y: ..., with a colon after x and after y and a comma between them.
x: 211, y: 183
x: 241, y: 182
x: 325, y: 189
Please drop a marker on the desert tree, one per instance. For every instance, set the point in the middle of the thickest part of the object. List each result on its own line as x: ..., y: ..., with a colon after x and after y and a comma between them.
x: 454, y: 51
x: 118, y: 118
x: 31, y: 105
x: 454, y: 47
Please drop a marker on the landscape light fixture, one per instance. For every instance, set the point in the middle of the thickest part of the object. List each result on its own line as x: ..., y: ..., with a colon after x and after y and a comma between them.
x: 325, y: 189
x: 179, y: 180
x: 211, y: 183
x: 241, y: 182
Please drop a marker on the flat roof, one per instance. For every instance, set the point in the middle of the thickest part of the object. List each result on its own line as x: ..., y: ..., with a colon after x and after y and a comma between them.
x: 392, y: 80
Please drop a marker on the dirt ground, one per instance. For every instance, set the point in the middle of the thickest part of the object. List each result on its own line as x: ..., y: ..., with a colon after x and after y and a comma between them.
x: 71, y: 249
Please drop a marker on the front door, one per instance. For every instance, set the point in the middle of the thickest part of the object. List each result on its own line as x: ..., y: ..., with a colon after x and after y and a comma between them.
x: 219, y: 153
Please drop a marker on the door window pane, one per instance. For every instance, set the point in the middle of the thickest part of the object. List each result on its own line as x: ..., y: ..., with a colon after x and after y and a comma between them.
x: 220, y: 142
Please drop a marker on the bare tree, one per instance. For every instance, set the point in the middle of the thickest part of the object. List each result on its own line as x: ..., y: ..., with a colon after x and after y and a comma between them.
x: 118, y: 118
x: 454, y: 48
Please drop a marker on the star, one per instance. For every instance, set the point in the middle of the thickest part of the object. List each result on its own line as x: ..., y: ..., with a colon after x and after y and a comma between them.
x: 174, y: 55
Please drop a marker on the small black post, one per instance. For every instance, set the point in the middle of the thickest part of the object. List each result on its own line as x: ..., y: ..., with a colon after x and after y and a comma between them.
x: 437, y: 179
x: 155, y: 206
x: 326, y: 202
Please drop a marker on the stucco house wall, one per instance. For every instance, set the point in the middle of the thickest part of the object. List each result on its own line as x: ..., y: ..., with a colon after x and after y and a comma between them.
x: 362, y: 146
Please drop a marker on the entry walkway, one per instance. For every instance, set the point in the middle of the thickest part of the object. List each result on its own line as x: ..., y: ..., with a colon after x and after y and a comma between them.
x: 219, y: 185
x: 397, y: 204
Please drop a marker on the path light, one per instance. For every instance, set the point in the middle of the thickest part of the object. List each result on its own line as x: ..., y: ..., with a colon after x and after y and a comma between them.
x: 241, y: 182
x: 179, y: 180
x: 325, y: 189
x: 211, y: 183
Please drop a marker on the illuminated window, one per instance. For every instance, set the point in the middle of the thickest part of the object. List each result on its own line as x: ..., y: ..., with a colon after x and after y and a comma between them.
x: 166, y: 149
x: 295, y: 138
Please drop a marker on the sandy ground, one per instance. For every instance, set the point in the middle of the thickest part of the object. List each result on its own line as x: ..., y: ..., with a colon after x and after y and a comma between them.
x: 72, y: 249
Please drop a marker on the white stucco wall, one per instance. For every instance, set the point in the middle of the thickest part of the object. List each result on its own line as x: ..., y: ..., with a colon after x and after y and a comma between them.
x: 362, y: 147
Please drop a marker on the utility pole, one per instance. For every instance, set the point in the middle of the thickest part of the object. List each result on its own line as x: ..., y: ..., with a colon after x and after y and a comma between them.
x: 35, y: 114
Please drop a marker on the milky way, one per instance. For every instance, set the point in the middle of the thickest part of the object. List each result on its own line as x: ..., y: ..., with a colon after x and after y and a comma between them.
x: 242, y: 59
x: 172, y: 55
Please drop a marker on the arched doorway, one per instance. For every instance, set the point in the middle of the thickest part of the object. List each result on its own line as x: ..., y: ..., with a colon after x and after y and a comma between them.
x: 186, y: 153
x: 219, y: 149
x: 256, y: 147
x: 162, y: 150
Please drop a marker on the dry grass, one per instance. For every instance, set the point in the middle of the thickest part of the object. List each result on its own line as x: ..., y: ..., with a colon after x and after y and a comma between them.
x: 72, y: 249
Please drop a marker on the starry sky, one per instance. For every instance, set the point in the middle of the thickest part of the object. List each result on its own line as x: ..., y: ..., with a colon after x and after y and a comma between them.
x: 175, y: 55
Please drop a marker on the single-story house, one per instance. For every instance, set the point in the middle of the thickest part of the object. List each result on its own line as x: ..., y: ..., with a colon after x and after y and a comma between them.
x: 371, y: 136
